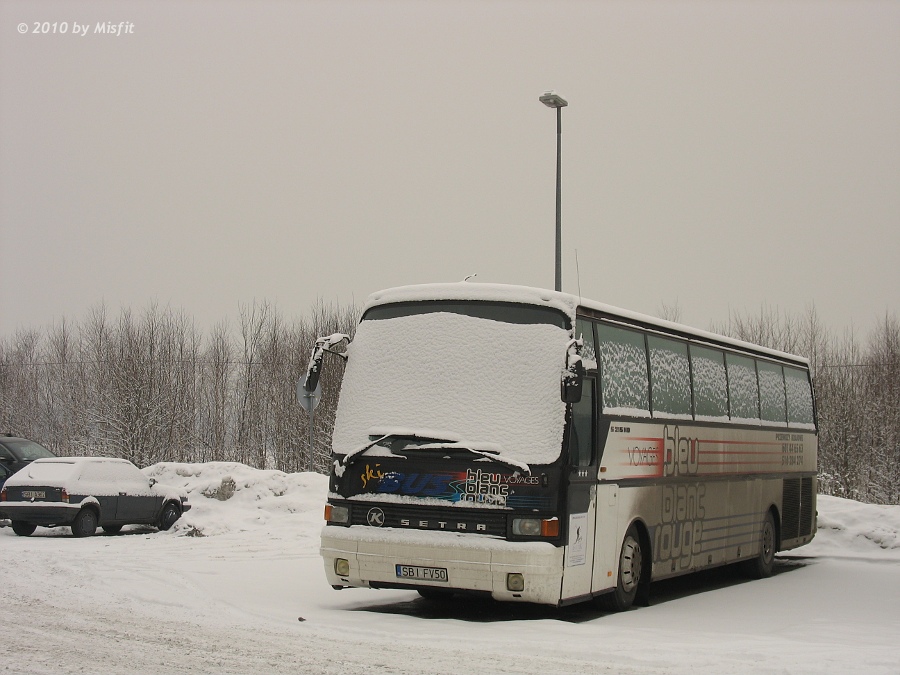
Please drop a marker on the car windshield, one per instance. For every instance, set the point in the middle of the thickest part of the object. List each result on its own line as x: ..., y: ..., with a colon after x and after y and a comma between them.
x: 28, y: 450
x: 50, y: 471
x: 485, y: 373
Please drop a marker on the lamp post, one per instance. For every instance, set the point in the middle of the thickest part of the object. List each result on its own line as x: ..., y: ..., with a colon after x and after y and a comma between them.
x: 553, y: 100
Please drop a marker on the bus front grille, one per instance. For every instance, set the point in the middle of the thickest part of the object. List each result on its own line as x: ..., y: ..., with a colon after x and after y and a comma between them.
x: 412, y: 517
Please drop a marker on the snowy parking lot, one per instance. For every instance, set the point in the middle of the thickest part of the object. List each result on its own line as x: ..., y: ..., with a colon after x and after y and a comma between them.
x: 237, y: 586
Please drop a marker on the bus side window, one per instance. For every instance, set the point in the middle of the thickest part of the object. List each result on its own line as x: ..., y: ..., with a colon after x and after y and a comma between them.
x: 670, y: 378
x: 581, y: 433
x: 772, y: 404
x: 710, y: 384
x: 799, y: 398
x: 623, y: 371
x: 584, y: 329
x: 743, y: 388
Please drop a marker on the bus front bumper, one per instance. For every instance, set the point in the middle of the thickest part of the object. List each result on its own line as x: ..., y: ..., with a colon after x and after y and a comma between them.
x: 472, y: 562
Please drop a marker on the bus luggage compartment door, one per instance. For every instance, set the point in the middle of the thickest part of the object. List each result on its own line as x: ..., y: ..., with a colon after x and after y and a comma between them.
x: 606, y: 535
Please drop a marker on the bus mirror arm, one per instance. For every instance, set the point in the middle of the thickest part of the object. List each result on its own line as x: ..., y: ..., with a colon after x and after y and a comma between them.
x: 573, y: 376
x: 323, y: 345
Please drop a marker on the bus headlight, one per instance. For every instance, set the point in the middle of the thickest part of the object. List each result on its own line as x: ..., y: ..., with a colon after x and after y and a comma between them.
x: 527, y: 527
x: 536, y: 527
x: 341, y: 567
x: 337, y: 514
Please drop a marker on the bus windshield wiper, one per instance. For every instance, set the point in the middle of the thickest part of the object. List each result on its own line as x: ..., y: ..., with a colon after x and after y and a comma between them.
x: 385, y: 433
x: 491, y: 451
x: 431, y: 440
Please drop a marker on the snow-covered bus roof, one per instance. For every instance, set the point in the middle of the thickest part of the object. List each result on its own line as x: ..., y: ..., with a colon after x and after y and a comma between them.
x: 564, y: 302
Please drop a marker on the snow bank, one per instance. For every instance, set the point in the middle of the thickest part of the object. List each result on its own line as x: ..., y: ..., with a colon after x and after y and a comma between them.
x: 848, y: 528
x: 228, y: 497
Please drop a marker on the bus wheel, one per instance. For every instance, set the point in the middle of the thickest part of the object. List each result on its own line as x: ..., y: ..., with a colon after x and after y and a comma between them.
x: 763, y: 564
x: 631, y: 564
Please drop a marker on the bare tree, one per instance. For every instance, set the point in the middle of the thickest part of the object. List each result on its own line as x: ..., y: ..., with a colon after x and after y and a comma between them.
x: 669, y: 312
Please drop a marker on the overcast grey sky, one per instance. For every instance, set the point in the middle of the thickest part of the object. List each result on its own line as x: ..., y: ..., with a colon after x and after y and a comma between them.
x: 717, y: 155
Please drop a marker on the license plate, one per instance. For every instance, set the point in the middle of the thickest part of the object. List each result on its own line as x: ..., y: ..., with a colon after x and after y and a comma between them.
x: 34, y: 494
x: 422, y: 573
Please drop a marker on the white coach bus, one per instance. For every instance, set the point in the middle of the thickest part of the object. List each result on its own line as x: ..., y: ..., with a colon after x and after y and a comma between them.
x: 537, y: 447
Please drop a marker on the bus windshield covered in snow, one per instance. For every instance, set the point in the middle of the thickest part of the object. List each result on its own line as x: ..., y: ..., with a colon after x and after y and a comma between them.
x: 534, y: 446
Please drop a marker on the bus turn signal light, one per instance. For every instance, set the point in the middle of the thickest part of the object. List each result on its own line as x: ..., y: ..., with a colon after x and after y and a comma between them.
x: 550, y: 527
x: 534, y: 527
x: 336, y: 514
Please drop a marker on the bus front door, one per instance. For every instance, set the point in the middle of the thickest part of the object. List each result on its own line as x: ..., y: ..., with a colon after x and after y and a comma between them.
x: 581, y: 501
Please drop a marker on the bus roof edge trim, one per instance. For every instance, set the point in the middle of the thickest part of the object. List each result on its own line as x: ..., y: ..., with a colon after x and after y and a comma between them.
x: 564, y: 302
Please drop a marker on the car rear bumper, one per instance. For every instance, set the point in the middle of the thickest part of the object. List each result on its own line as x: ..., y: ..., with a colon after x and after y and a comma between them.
x: 40, y: 513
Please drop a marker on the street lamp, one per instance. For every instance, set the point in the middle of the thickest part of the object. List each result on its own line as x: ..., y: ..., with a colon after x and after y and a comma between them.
x: 553, y: 100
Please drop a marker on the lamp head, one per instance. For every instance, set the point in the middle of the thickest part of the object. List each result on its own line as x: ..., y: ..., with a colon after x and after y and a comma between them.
x: 553, y: 100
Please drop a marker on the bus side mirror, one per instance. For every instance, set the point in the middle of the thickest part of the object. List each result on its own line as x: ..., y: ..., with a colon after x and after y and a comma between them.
x: 572, y: 382
x: 324, y: 344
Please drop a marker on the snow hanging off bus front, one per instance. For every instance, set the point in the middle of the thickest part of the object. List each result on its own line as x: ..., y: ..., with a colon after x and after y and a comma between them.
x: 485, y: 381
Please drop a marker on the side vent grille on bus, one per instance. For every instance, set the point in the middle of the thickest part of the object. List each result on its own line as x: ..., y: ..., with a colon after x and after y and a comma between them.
x: 790, y: 507
x: 806, y: 502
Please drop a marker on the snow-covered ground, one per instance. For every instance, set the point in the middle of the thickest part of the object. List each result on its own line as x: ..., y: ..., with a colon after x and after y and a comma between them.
x: 237, y: 586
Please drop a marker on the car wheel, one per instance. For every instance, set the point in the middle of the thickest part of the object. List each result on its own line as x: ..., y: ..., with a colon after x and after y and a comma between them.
x: 171, y: 512
x: 763, y: 564
x: 112, y: 529
x: 23, y: 529
x: 631, y: 565
x: 85, y: 523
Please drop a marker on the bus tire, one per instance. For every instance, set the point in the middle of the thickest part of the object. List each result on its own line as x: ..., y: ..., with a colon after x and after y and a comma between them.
x: 628, y: 580
x: 763, y: 564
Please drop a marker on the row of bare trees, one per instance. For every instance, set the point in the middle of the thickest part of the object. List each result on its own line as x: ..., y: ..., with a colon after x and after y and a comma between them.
x: 152, y: 388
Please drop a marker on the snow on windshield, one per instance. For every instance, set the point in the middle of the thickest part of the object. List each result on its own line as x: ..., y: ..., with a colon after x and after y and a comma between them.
x: 485, y: 381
